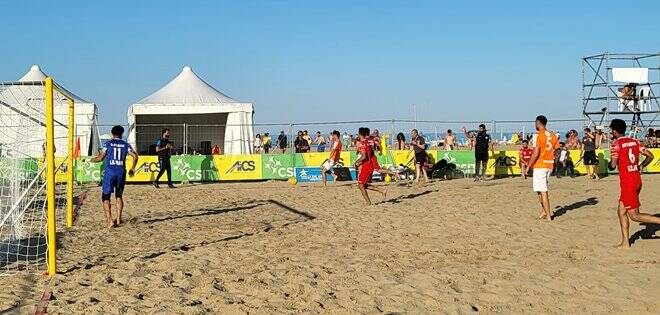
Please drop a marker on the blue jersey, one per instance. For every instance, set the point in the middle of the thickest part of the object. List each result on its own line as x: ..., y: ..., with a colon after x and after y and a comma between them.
x: 115, y: 155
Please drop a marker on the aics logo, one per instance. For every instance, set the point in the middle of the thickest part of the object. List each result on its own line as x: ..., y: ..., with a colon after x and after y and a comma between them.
x: 505, y: 161
x: 242, y: 166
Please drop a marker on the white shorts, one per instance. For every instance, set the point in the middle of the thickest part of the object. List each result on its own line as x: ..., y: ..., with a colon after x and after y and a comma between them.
x: 328, y: 165
x: 540, y: 178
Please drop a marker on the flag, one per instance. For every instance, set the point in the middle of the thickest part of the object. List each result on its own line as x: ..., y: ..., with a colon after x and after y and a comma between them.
x: 76, y: 151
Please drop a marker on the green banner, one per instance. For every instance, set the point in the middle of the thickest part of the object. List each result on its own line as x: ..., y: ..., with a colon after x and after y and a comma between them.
x: 279, y: 166
x: 193, y: 168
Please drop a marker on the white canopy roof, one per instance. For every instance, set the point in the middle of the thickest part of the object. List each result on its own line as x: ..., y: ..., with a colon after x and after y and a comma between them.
x: 35, y: 74
x: 187, y: 89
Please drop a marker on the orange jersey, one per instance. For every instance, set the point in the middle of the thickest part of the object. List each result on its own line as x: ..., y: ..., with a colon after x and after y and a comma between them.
x: 547, y: 142
x: 336, y: 151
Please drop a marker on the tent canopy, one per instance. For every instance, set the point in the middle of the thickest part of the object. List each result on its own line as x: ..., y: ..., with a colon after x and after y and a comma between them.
x: 85, y: 119
x: 196, y: 113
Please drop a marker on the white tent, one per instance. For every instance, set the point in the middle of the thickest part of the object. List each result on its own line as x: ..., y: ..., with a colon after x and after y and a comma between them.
x: 198, y: 115
x: 23, y: 99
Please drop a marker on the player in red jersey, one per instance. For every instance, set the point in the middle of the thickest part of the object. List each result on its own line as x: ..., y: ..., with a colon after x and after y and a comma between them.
x: 624, y: 154
x: 374, y: 142
x: 524, y: 156
x: 364, y: 165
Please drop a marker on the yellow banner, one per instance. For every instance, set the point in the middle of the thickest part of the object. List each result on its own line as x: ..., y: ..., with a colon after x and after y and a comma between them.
x: 146, y: 170
x: 503, y: 163
x: 238, y: 167
x: 402, y: 156
x: 317, y: 158
x: 654, y: 167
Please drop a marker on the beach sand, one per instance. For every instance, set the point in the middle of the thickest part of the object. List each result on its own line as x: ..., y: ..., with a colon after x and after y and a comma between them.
x: 266, y: 247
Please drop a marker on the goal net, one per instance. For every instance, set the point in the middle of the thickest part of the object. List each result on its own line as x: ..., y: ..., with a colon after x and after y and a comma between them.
x: 33, y: 197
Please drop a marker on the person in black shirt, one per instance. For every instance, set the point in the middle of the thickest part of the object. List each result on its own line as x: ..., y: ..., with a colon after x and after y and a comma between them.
x: 482, y: 144
x: 282, y: 141
x: 164, y: 150
x: 418, y: 145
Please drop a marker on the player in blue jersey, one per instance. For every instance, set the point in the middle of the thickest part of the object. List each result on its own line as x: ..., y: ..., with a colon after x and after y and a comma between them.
x: 114, y: 176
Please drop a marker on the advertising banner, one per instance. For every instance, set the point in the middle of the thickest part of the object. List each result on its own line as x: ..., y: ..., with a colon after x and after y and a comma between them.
x: 313, y: 174
x: 277, y: 166
x: 238, y: 167
x: 315, y: 159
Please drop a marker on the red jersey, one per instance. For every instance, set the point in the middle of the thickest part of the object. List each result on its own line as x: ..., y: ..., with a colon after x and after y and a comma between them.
x: 367, y: 167
x: 526, y: 154
x: 627, y: 150
x: 374, y: 143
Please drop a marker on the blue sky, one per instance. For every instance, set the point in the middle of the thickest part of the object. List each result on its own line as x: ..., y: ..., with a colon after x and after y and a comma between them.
x: 333, y: 60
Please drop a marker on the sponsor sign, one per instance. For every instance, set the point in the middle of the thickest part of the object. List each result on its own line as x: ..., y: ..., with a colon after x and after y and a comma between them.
x: 317, y: 158
x: 313, y: 174
x: 238, y: 167
x: 277, y: 166
x: 503, y: 163
x: 194, y: 168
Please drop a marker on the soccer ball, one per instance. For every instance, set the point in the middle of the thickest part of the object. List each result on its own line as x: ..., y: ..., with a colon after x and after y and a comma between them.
x: 293, y: 181
x: 388, y: 178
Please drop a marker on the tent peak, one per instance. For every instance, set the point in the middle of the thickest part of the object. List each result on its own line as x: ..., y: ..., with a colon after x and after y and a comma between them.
x: 34, y: 74
x: 186, y: 68
x: 35, y: 68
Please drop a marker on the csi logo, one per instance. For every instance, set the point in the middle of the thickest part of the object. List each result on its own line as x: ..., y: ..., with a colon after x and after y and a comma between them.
x: 242, y: 166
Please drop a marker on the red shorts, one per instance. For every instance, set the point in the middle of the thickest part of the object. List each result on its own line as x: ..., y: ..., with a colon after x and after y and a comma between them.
x: 630, y: 196
x: 364, y: 175
x: 375, y: 164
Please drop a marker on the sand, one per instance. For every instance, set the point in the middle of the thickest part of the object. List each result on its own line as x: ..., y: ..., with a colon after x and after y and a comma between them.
x: 446, y: 247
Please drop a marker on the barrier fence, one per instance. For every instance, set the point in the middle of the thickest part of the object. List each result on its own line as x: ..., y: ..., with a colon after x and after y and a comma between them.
x: 199, y: 139
x: 212, y: 168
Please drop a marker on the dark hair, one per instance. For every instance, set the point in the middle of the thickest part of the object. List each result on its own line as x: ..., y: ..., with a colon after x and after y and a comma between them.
x: 401, y: 136
x: 587, y: 129
x: 363, y: 131
x: 525, y: 141
x: 162, y: 132
x: 415, y: 131
x: 542, y: 119
x: 117, y: 131
x: 336, y: 133
x: 618, y: 125
x: 483, y: 126
x: 448, y: 130
x: 562, y: 143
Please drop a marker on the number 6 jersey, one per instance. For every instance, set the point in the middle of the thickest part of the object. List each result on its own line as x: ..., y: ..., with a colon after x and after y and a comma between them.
x: 627, y: 150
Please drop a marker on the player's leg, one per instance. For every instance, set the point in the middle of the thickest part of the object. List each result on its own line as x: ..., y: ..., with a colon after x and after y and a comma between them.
x: 637, y: 216
x: 625, y: 226
x: 324, y: 173
x: 106, y: 192
x: 169, y: 173
x: 119, y: 195
x: 545, y: 201
x: 105, y: 199
x: 378, y: 189
x: 365, y: 195
x: 161, y: 164
x: 417, y: 171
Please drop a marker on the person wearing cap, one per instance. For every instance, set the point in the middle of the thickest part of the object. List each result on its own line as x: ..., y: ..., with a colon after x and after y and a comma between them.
x: 482, y: 144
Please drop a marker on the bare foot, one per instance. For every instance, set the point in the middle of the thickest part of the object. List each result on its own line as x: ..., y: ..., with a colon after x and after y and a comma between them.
x: 110, y: 225
x: 118, y: 222
x: 623, y: 245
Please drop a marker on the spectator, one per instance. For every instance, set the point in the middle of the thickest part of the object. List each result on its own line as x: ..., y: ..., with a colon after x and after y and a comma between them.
x: 164, y: 150
x: 589, y: 154
x: 418, y: 145
x: 524, y: 156
x: 320, y: 142
x: 346, y: 140
x: 215, y: 150
x: 572, y: 140
x: 301, y: 144
x: 257, y: 144
x: 307, y: 138
x: 599, y: 137
x: 482, y: 144
x: 400, y: 142
x: 282, y: 141
x: 563, y: 164
x: 651, y: 139
x: 450, y: 140
x: 266, y: 141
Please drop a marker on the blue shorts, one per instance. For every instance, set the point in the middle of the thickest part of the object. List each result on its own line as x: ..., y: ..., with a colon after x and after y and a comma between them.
x: 114, y: 182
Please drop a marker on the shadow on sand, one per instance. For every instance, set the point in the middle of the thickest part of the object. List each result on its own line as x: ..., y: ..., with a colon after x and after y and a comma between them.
x: 576, y: 205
